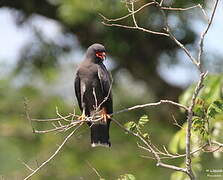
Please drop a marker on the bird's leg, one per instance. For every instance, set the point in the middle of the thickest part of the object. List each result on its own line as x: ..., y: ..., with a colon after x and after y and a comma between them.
x: 104, y: 115
x: 83, y: 116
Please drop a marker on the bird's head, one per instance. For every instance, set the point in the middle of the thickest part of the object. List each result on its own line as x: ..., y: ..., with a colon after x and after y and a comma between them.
x: 96, y: 52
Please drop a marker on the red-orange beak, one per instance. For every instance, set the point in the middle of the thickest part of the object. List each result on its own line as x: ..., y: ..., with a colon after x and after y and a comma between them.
x: 101, y: 55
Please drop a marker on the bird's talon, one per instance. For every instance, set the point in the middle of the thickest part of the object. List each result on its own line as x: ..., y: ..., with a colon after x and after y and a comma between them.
x: 105, y: 117
x: 82, y: 117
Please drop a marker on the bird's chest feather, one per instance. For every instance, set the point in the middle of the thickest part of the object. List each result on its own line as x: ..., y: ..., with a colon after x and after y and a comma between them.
x: 89, y: 77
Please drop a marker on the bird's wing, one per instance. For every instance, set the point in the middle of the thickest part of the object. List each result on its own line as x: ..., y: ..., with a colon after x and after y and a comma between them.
x: 77, y: 87
x: 106, y: 85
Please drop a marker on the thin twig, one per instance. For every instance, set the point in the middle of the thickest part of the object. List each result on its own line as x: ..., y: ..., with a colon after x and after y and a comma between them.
x: 106, y: 98
x: 95, y: 170
x: 176, y: 123
x: 57, y: 112
x: 51, y: 119
x: 137, y: 28
x: 126, y: 16
x: 161, y: 2
x: 189, y: 124
x: 180, y: 9
x: 133, y: 15
x: 53, y: 155
x: 151, y: 104
x: 26, y: 165
x: 187, y: 52
x: 168, y: 155
x: 201, y: 43
x: 218, y: 143
x: 155, y: 154
x: 158, y: 155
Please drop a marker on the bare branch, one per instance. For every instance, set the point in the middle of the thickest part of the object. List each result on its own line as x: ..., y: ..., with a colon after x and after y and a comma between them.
x: 148, y: 146
x: 201, y: 43
x: 133, y: 15
x: 167, y: 155
x: 218, y: 143
x: 26, y: 165
x: 155, y: 154
x: 161, y: 2
x: 189, y: 123
x: 51, y: 119
x: 106, y: 98
x: 137, y: 28
x: 151, y: 104
x: 168, y: 30
x: 57, y: 112
x: 128, y: 15
x: 53, y: 155
x: 205, y: 14
x: 176, y: 123
x: 214, y: 146
x: 181, y: 9
x: 95, y: 170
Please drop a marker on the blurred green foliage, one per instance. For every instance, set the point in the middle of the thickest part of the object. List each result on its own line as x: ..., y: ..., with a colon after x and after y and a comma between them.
x: 207, y: 125
x: 126, y: 177
x: 19, y: 144
x: 136, y: 52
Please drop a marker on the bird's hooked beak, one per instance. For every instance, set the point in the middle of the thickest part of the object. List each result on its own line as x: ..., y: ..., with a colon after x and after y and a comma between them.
x: 101, y: 55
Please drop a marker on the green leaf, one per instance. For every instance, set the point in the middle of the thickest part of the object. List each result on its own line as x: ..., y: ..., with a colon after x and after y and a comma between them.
x: 127, y: 177
x: 199, y: 110
x: 197, y: 123
x: 143, y: 120
x: 219, y: 105
x: 212, y: 112
x: 130, y: 126
x: 146, y: 135
x: 215, y: 108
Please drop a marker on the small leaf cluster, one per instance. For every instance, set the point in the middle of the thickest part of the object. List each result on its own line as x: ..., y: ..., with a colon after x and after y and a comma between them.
x: 204, y: 115
x: 137, y: 127
x: 215, y: 109
x: 208, y: 104
x: 127, y: 177
x: 200, y: 121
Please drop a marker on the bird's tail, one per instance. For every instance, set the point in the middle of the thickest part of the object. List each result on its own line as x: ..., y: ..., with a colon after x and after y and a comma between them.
x: 100, y: 135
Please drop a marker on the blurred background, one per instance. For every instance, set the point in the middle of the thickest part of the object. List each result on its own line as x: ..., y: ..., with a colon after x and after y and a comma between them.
x: 41, y: 44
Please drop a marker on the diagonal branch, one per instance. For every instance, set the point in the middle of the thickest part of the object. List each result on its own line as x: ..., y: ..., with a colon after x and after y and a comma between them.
x: 201, y: 43
x: 151, y: 149
x: 53, y: 155
x: 136, y: 28
x: 150, y: 105
x: 128, y: 15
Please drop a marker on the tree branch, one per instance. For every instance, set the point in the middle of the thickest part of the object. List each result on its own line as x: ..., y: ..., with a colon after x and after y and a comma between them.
x: 53, y: 155
x: 151, y: 149
x: 151, y: 104
x: 158, y: 155
x: 136, y: 28
x: 202, y: 36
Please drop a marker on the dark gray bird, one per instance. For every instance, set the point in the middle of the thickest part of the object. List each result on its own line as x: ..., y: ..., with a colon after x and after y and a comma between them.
x: 93, y: 91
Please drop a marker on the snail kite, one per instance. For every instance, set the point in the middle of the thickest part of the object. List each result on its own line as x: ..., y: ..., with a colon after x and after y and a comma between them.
x: 93, y: 92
